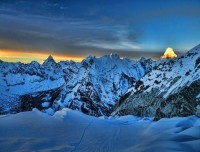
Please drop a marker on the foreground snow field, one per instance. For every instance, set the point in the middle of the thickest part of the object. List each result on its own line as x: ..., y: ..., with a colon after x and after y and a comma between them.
x: 69, y: 130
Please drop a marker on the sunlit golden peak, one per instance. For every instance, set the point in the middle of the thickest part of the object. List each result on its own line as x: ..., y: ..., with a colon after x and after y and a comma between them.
x: 169, y: 53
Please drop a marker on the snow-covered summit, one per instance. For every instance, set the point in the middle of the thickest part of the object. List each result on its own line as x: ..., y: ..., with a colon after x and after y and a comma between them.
x: 170, y: 89
x: 92, y: 86
x: 97, y: 85
x: 49, y: 61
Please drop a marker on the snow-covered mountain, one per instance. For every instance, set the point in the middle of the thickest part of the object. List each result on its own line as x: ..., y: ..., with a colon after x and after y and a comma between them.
x: 171, y: 88
x: 92, y: 86
x: 99, y: 86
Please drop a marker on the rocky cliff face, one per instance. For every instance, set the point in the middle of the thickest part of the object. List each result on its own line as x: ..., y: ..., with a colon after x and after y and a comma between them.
x: 98, y: 86
x: 92, y: 86
x: 172, y: 88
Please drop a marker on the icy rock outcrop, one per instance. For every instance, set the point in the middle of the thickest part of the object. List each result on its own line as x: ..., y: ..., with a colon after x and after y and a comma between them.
x: 170, y: 89
x: 92, y: 86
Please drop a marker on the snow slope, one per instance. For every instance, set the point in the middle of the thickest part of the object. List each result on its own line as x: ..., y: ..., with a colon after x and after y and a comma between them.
x: 69, y: 130
x: 170, y: 89
x: 92, y: 86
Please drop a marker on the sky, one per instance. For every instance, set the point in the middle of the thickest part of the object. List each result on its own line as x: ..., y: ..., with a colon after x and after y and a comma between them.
x: 74, y: 29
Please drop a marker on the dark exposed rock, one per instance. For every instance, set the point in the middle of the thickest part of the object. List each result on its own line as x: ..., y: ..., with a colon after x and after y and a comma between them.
x: 182, y: 103
x: 197, y: 64
x: 30, y: 101
x: 170, y: 89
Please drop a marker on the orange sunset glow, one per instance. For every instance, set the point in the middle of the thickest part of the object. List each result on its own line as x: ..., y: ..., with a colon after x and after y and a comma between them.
x: 27, y: 57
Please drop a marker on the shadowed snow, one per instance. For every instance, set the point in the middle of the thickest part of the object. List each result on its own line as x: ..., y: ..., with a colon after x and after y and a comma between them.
x: 69, y: 130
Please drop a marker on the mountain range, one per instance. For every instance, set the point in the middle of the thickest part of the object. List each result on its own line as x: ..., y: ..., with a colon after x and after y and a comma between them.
x: 171, y: 88
x: 104, y: 86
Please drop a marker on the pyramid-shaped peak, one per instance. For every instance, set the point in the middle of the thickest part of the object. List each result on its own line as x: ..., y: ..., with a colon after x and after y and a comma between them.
x: 50, y: 58
x: 49, y: 61
x: 169, y: 53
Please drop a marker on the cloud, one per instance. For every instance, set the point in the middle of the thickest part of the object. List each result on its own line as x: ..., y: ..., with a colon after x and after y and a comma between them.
x: 78, y: 30
x: 64, y: 36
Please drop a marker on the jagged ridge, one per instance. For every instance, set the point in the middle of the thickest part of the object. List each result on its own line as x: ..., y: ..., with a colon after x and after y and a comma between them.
x: 171, y: 89
x: 92, y: 86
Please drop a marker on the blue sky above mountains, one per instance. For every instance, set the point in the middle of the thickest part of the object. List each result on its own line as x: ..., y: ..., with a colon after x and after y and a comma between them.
x: 97, y: 27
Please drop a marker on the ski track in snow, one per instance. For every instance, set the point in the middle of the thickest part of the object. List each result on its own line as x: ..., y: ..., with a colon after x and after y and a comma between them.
x: 77, y: 145
x: 72, y: 131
